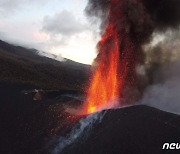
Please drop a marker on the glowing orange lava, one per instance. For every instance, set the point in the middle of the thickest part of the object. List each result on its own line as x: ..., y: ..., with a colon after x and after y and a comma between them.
x: 104, y: 89
x: 116, y: 62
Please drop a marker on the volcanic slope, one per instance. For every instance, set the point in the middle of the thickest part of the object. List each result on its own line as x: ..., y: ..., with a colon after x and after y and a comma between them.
x: 132, y: 130
x: 20, y: 65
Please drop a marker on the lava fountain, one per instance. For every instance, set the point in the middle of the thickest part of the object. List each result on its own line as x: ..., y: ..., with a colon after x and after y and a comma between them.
x: 116, y: 63
x: 127, y: 25
x: 104, y: 88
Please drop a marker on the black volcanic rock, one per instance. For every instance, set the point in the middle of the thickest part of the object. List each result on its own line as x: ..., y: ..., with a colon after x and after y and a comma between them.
x: 26, y: 125
x: 132, y: 130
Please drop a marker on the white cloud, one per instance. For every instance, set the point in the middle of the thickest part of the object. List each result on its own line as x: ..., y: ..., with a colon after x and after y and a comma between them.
x: 64, y: 23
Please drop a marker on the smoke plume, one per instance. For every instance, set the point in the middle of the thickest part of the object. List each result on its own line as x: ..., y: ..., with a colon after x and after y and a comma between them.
x: 142, y: 17
x: 80, y: 131
x: 163, y: 72
x: 147, y: 33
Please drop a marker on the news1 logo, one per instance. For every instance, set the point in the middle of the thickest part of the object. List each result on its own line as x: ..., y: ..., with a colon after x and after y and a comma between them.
x: 171, y: 146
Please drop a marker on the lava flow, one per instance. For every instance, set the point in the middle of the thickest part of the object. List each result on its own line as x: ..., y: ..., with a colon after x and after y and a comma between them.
x: 116, y: 63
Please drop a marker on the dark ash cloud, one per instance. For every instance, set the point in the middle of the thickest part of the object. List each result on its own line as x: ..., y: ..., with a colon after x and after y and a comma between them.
x: 141, y: 17
x: 135, y: 22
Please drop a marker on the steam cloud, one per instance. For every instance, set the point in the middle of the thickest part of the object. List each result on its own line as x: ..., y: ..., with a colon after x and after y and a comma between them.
x: 153, y: 29
x: 80, y: 131
x: 164, y: 74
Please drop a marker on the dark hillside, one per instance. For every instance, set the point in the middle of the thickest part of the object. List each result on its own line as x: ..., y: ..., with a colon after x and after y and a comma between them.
x: 21, y: 65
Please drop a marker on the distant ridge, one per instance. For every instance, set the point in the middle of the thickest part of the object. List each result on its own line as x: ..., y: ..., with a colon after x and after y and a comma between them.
x: 21, y: 65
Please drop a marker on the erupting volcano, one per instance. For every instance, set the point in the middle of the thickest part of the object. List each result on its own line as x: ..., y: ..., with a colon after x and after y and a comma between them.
x: 127, y: 25
x: 116, y: 62
x: 103, y: 91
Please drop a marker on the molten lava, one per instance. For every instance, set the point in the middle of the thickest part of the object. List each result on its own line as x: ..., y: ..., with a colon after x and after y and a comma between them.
x: 116, y: 62
x: 104, y: 88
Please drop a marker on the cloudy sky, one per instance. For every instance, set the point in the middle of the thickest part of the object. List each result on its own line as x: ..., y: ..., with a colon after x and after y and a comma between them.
x: 56, y: 26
